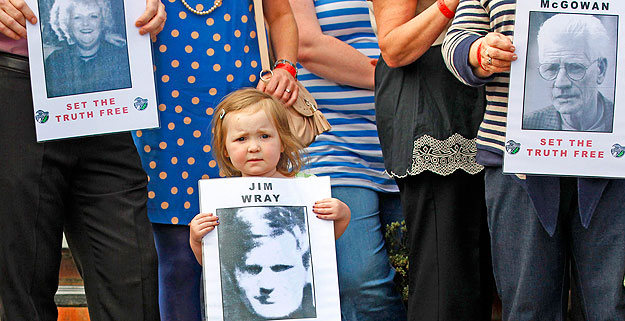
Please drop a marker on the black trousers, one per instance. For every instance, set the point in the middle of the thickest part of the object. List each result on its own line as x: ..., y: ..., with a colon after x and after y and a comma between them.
x: 450, y: 273
x: 93, y: 188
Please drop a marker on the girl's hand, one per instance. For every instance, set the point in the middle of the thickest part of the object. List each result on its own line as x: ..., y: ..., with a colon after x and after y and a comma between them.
x: 281, y: 85
x: 336, y: 210
x: 201, y: 224
x: 496, y: 53
x: 331, y: 209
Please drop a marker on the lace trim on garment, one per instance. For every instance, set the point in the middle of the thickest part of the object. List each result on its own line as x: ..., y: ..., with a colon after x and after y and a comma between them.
x: 442, y: 157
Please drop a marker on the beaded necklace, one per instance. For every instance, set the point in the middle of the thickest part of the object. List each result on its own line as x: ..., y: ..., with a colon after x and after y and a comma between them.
x: 205, y: 12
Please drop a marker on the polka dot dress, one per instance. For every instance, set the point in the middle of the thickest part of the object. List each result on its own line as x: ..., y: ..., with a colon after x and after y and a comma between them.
x: 198, y: 60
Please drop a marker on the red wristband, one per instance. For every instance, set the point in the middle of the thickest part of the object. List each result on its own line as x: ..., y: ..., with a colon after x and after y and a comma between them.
x: 288, y: 68
x: 444, y: 10
x: 479, y: 56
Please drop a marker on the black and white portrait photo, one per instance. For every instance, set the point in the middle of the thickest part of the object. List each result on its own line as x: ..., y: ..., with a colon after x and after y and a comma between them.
x: 265, y: 262
x: 570, y: 73
x: 84, y: 45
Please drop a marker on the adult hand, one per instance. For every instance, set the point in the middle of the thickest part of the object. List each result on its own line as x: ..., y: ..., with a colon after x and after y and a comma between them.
x: 281, y: 85
x: 496, y: 53
x: 153, y: 18
x: 13, y: 16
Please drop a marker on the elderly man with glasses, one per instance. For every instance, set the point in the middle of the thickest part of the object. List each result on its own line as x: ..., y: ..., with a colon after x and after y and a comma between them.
x: 573, y: 59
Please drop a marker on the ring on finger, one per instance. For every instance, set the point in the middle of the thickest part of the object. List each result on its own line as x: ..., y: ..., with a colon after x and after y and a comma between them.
x: 288, y: 90
x: 490, y: 60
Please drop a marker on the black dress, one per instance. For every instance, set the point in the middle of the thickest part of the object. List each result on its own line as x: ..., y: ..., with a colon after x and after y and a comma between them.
x: 421, y: 110
x: 427, y: 123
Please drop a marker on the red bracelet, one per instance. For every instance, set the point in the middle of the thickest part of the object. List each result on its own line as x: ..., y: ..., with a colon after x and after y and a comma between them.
x: 444, y: 10
x: 288, y: 68
x: 479, y: 56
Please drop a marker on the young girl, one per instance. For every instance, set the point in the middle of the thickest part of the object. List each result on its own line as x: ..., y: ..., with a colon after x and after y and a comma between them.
x: 251, y: 137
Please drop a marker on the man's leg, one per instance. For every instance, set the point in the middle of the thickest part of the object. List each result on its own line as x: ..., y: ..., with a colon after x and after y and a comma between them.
x: 598, y: 259
x: 529, y: 265
x: 31, y: 198
x: 108, y: 230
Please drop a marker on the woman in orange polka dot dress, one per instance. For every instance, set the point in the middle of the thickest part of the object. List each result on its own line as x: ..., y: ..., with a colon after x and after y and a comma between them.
x: 205, y: 52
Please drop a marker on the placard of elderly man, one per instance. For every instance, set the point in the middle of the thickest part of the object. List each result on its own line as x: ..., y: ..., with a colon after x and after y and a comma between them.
x: 574, y: 51
x: 91, y: 57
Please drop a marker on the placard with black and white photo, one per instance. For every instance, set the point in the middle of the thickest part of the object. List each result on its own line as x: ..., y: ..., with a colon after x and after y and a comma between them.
x: 563, y: 116
x: 91, y: 71
x: 270, y: 258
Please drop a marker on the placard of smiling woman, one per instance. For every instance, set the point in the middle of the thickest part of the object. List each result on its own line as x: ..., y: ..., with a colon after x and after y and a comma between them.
x: 90, y: 41
x: 91, y: 73
x: 270, y: 258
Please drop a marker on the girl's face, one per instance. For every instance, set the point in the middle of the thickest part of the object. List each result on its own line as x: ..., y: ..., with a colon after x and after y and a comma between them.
x: 252, y: 143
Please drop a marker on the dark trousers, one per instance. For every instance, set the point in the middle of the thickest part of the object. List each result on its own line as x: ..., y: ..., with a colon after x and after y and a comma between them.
x: 450, y: 271
x: 179, y: 273
x: 93, y: 188
x: 534, y: 271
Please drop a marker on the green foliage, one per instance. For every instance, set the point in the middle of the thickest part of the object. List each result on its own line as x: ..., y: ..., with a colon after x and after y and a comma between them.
x: 396, y: 238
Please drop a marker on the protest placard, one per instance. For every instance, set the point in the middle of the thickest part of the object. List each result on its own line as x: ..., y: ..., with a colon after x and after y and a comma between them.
x: 270, y: 258
x: 91, y: 71
x: 563, y: 115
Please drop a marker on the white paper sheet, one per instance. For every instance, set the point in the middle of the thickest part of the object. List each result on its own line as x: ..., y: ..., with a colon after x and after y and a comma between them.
x: 535, y: 143
x: 66, y: 102
x: 254, y: 270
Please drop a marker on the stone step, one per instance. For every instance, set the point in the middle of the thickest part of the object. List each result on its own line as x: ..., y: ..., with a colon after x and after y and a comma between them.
x: 70, y: 296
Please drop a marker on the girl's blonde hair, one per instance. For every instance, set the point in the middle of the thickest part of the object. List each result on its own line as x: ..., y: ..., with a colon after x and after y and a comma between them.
x: 290, y: 161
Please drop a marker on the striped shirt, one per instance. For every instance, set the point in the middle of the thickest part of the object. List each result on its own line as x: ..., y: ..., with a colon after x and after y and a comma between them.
x: 350, y: 153
x: 474, y: 19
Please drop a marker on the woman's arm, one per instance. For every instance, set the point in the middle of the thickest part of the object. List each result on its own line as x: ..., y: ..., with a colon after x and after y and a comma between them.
x: 283, y: 35
x: 327, y: 56
x: 491, y: 54
x: 470, y: 31
x: 404, y: 37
